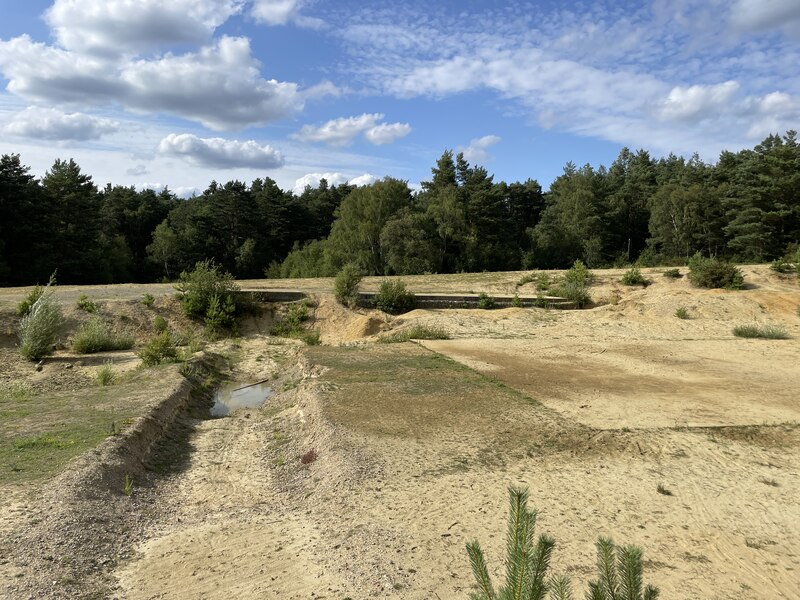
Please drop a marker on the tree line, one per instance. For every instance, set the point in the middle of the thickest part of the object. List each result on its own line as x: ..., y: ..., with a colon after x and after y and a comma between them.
x: 744, y: 208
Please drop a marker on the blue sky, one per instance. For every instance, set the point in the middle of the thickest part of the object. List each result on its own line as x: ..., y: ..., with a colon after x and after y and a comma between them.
x: 180, y: 92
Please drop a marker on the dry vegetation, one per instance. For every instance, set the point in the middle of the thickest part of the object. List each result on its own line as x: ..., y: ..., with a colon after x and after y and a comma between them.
x: 374, y: 464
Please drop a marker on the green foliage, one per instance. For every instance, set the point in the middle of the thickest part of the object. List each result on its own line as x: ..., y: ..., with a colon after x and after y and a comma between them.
x: 714, y: 273
x: 619, y: 569
x: 160, y: 324
x: 782, y: 265
x: 87, y: 305
x: 579, y: 274
x: 393, y: 298
x: 416, y: 332
x: 682, y: 312
x: 148, y: 300
x: 516, y: 302
x: 106, y: 375
x: 127, y: 485
x: 634, y: 276
x: 574, y: 291
x: 40, y: 327
x: 486, y: 301
x: 769, y: 332
x: 160, y: 349
x: 96, y: 336
x: 24, y: 307
x: 292, y: 325
x: 346, y: 285
x: 672, y: 274
x: 208, y: 293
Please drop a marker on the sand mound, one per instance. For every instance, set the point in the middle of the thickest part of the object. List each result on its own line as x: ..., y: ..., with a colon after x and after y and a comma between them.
x: 338, y: 324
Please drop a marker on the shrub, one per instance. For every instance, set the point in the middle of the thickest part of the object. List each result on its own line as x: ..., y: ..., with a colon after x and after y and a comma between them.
x: 393, y: 298
x: 41, y: 325
x: 148, y: 300
x: 197, y: 288
x: 220, y: 315
x: 634, y: 276
x: 160, y: 324
x: 292, y: 325
x: 486, y: 301
x: 106, y: 375
x: 86, y: 304
x: 516, y: 302
x: 417, y: 332
x: 24, y: 307
x: 769, y: 332
x: 346, y: 285
x: 714, y: 273
x: 578, y: 273
x: 96, y: 336
x: 782, y: 265
x: 682, y: 312
x: 159, y: 350
x: 574, y: 291
x: 528, y: 561
x: 672, y: 274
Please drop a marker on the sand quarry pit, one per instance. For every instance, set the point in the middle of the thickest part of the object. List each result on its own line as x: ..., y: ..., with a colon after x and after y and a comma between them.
x: 371, y: 465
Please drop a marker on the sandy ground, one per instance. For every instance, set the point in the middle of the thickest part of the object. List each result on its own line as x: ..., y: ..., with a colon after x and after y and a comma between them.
x: 592, y: 410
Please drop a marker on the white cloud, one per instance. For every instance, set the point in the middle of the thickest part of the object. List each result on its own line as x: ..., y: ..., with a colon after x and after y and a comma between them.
x: 112, y: 27
x: 50, y: 124
x: 336, y: 178
x: 220, y: 85
x: 386, y: 133
x: 220, y: 153
x: 137, y: 171
x: 777, y: 102
x: 477, y: 151
x: 342, y: 131
x: 281, y: 12
x: 181, y: 191
x: 761, y: 15
x: 694, y: 103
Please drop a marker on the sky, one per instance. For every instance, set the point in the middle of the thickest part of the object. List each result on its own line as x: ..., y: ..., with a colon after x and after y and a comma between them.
x: 178, y: 93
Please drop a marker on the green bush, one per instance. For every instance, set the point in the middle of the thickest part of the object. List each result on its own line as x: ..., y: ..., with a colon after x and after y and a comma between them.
x: 682, y: 312
x: 24, y: 307
x: 782, y: 265
x: 486, y: 301
x: 634, y: 276
x: 220, y: 315
x: 579, y: 274
x: 619, y: 569
x: 40, y: 326
x: 160, y: 324
x: 346, y: 285
x: 393, y: 298
x: 148, y: 300
x: 768, y: 332
x: 159, y: 350
x: 714, y: 273
x: 572, y: 290
x: 86, y: 304
x: 292, y: 325
x: 416, y: 332
x: 672, y: 274
x: 96, y: 336
x: 516, y: 302
x: 197, y: 289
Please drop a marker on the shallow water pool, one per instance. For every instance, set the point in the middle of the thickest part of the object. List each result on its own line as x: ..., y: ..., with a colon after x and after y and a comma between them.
x: 233, y: 396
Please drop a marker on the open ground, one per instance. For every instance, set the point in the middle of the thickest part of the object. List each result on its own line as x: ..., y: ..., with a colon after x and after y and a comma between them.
x: 621, y: 419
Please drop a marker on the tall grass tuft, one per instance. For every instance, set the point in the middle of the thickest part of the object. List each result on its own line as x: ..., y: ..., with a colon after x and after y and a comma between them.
x: 106, y: 375
x: 159, y: 350
x: 96, y: 336
x: 417, y: 332
x: 767, y: 332
x: 40, y: 327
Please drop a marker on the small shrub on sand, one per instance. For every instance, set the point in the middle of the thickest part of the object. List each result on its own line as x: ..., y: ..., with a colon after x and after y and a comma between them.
x: 106, y: 375
x: 714, y: 273
x: 86, y: 304
x: 40, y: 327
x: 96, y: 336
x: 682, y: 312
x: 578, y: 273
x: 393, y: 298
x: 160, y: 349
x: 768, y: 332
x: 346, y: 285
x: 572, y: 290
x: 634, y: 276
x: 672, y: 274
x: 208, y: 292
x: 486, y: 301
x: 148, y: 300
x: 160, y: 324
x: 416, y: 332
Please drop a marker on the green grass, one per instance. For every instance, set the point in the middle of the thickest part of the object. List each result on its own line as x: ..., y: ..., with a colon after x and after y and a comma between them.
x: 682, y: 312
x: 96, y: 336
x: 417, y: 332
x: 767, y: 332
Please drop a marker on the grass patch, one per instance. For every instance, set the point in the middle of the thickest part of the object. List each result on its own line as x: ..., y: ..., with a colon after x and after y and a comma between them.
x: 292, y: 325
x: 767, y: 332
x: 148, y: 300
x: 161, y: 349
x: 86, y: 304
x: 106, y: 375
x: 96, y: 336
x: 417, y: 332
x: 682, y: 312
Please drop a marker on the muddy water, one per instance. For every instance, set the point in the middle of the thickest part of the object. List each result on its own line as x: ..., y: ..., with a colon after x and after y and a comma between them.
x: 233, y: 396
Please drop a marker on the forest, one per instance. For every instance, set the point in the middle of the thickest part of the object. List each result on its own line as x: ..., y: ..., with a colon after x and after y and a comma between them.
x: 744, y: 208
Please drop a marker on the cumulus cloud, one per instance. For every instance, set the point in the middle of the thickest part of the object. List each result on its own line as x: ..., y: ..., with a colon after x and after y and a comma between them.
x: 281, y: 12
x: 220, y: 85
x: 220, y: 153
x: 111, y: 27
x: 313, y: 179
x: 51, y: 124
x: 762, y: 15
x: 137, y: 171
x: 477, y: 151
x: 697, y: 102
x: 342, y: 131
x: 386, y: 133
x: 180, y: 191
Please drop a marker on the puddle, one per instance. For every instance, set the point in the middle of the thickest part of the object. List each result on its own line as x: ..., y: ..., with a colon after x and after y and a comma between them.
x: 233, y: 396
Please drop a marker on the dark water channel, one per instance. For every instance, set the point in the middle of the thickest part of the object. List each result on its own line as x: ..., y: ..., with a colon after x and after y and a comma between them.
x: 235, y: 395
